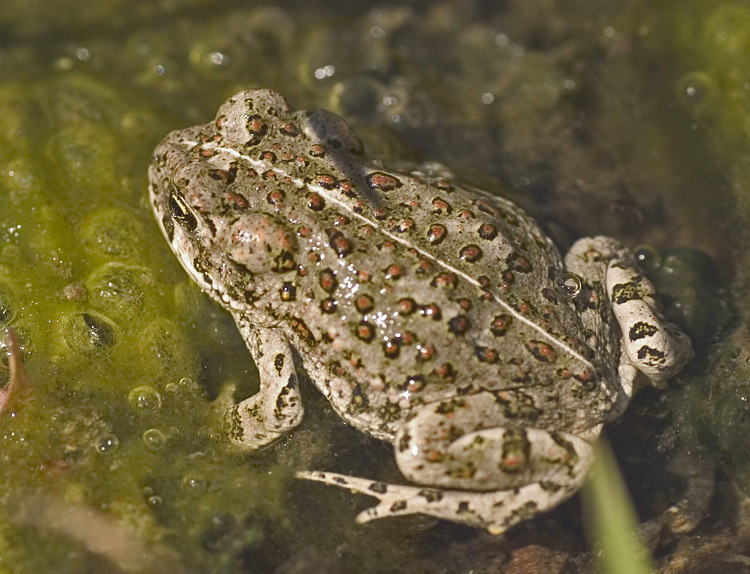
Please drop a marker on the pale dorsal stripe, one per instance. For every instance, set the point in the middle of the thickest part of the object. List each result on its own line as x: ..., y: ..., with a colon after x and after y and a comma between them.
x: 263, y: 166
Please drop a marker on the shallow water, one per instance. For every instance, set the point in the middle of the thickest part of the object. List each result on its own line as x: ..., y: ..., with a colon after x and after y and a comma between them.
x: 597, y: 117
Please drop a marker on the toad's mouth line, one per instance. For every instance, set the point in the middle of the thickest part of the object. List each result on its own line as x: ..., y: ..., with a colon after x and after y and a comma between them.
x: 300, y: 184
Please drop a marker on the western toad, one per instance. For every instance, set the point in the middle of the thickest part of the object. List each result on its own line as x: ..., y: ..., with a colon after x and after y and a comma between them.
x: 433, y: 316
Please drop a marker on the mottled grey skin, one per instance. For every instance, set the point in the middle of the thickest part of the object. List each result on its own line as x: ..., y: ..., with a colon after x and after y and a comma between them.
x: 432, y: 316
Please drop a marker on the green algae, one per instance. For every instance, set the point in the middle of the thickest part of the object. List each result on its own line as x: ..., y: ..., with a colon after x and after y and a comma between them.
x: 116, y: 376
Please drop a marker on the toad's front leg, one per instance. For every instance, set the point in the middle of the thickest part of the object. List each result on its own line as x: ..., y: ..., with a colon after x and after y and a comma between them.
x: 492, y: 477
x: 277, y: 406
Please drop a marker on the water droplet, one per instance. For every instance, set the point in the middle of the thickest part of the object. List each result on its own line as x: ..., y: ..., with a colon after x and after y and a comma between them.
x: 195, y: 484
x: 695, y: 89
x: 106, y: 443
x: 568, y: 284
x: 154, y: 439
x: 647, y: 258
x: 145, y: 399
x: 172, y: 388
x: 155, y: 500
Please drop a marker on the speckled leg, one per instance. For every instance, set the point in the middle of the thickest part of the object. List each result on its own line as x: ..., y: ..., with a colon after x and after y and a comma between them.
x: 492, y: 477
x: 277, y: 406
x: 651, y: 345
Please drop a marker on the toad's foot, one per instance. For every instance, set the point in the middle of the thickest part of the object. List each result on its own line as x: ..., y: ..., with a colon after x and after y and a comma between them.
x: 494, y: 510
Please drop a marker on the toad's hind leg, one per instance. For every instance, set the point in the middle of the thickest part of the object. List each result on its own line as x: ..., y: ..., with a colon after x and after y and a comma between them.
x: 651, y: 345
x: 491, y: 477
x: 277, y: 406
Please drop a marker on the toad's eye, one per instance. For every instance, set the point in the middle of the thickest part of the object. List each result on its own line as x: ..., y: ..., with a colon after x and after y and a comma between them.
x: 181, y: 213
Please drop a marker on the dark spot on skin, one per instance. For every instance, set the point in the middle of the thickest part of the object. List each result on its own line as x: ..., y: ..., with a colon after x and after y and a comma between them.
x: 449, y: 406
x: 426, y: 352
x: 650, y: 353
x: 516, y: 451
x: 328, y: 305
x: 340, y: 244
x: 485, y: 207
x: 257, y: 130
x: 238, y: 202
x: 641, y: 330
x: 440, y: 206
x: 315, y: 202
x: 365, y: 332
x: 327, y: 280
x: 317, y: 150
x: 523, y: 307
x: 541, y: 351
x: 301, y: 328
x: 459, y: 325
x: 463, y: 507
x: 487, y: 231
x: 394, y: 272
x: 359, y: 400
x: 471, y: 253
x: 275, y: 197
x: 278, y: 362
x: 406, y: 306
x: 270, y: 157
x: 445, y: 280
x: 404, y: 225
x: 431, y: 311
x: 423, y: 267
x: 364, y: 303
x: 379, y: 487
x: 398, y: 506
x: 284, y: 261
x: 382, y: 181
x: 519, y: 263
x: 485, y: 354
x: 289, y: 129
x: 326, y: 181
x: 288, y: 292
x: 202, y: 266
x: 446, y: 372
x: 380, y: 213
x: 624, y: 292
x: 413, y: 384
x: 250, y: 295
x: 437, y: 234
x: 431, y: 495
x: 392, y: 348
x: 500, y: 324
x: 226, y: 175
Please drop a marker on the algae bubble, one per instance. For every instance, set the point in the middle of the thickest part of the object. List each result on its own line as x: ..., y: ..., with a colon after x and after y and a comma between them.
x: 647, y: 258
x: 145, y: 399
x: 154, y: 440
x: 106, y: 443
x: 568, y: 285
x: 119, y: 289
x: 89, y: 332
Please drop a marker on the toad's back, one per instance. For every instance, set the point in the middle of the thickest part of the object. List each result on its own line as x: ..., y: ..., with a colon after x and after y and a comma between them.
x: 396, y: 290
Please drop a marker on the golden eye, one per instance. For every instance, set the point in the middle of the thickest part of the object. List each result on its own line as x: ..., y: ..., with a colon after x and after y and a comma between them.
x: 181, y: 213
